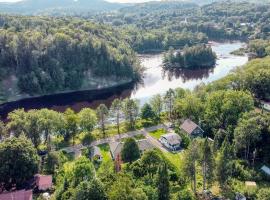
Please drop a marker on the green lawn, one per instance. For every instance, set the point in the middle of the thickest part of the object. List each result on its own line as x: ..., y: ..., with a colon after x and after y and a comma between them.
x: 105, y: 152
x: 157, y: 133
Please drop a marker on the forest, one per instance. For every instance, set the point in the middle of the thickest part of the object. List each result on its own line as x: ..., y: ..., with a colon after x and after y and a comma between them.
x: 228, y: 111
x: 172, y: 23
x: 195, y: 57
x: 43, y: 55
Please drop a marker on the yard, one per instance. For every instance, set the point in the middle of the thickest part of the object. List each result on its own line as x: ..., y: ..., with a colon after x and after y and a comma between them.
x: 157, y: 133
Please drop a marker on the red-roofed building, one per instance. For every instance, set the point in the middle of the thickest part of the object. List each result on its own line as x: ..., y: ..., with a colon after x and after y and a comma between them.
x: 43, y: 182
x: 17, y: 195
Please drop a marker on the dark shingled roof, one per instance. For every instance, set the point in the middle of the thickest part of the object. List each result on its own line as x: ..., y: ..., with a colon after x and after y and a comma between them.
x: 189, y: 126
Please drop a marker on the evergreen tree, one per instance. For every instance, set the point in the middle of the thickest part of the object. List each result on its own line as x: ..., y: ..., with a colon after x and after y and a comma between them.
x: 102, y: 114
x: 130, y: 151
x: 116, y: 111
x: 147, y: 112
x: 207, y: 163
x: 224, y: 163
x: 163, y: 183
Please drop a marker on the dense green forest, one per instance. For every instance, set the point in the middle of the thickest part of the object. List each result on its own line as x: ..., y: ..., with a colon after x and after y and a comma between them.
x: 58, y: 7
x: 195, y: 57
x: 42, y: 55
x: 166, y: 24
x: 225, y: 110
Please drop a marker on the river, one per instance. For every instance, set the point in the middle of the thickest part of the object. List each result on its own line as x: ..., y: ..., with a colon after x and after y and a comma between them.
x: 155, y: 81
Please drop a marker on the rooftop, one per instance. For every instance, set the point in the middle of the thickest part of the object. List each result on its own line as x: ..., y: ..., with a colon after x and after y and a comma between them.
x: 172, y: 138
x: 17, y: 195
x: 189, y: 126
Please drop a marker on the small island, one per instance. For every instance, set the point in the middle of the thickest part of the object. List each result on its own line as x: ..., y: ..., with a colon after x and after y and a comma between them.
x: 196, y: 57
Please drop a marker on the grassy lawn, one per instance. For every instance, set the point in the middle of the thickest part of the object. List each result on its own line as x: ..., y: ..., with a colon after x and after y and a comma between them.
x: 105, y: 152
x: 157, y: 133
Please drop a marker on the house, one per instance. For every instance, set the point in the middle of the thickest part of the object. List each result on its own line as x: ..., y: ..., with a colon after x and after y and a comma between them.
x: 75, y: 150
x: 266, y: 170
x: 250, y: 184
x: 96, y: 154
x: 171, y: 140
x: 43, y: 182
x: 191, y: 128
x: 116, y: 147
x: 17, y: 195
x: 265, y: 105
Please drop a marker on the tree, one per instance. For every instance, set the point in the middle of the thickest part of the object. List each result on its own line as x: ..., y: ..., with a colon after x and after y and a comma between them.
x: 150, y: 162
x: 169, y: 102
x: 116, y: 111
x: 147, y: 113
x: 53, y: 161
x: 19, y: 162
x: 130, y: 151
x: 163, y: 183
x: 87, y: 119
x: 123, y: 188
x: 224, y: 163
x: 90, y: 190
x: 71, y: 125
x: 189, y: 107
x: 246, y: 134
x: 83, y: 171
x: 223, y: 108
x: 49, y: 122
x: 32, y: 130
x: 263, y: 194
x: 3, y: 130
x: 156, y: 103
x: 17, y: 120
x: 102, y: 113
x: 131, y: 109
x: 207, y: 160
x: 191, y: 156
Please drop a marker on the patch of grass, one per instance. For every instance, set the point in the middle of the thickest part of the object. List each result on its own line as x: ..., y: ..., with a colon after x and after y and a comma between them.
x: 175, y: 159
x: 105, y: 152
x: 136, y: 137
x: 157, y: 133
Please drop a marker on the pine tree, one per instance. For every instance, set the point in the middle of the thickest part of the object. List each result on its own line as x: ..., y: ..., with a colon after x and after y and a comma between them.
x: 224, y: 163
x: 207, y: 163
x: 163, y: 182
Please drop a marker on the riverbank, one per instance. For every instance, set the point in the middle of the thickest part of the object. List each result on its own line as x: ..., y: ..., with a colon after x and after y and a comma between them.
x: 61, y: 101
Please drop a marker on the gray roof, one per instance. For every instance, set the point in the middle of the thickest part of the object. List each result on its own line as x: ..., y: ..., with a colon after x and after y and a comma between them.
x: 266, y: 169
x: 172, y: 138
x: 189, y: 126
x: 116, y: 147
x: 95, y: 151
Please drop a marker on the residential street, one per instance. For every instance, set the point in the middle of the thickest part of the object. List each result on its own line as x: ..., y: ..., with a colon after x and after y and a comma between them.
x: 114, y: 138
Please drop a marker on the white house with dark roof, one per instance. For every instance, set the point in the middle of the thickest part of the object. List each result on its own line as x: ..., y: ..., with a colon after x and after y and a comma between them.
x: 191, y: 128
x: 116, y: 147
x: 171, y: 140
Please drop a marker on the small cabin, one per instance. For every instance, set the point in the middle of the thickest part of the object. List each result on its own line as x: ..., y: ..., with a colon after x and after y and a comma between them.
x: 171, y: 140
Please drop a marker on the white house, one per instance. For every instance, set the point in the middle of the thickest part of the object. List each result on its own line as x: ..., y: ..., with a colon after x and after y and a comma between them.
x: 266, y: 105
x: 171, y: 140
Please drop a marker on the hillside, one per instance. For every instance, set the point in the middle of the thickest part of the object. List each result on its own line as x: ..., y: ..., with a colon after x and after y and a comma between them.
x: 41, y: 55
x: 58, y: 7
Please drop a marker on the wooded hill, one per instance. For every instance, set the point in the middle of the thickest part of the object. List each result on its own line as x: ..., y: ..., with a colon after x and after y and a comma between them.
x: 58, y: 7
x: 41, y: 55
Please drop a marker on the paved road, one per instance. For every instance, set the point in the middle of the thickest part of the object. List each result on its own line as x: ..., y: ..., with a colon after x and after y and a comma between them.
x: 114, y: 138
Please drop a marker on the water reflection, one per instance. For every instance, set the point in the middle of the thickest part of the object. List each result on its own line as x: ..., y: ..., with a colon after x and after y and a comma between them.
x: 154, y: 81
x: 186, y: 74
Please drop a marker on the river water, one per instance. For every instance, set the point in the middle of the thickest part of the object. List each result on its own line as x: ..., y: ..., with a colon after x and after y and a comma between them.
x: 155, y: 81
